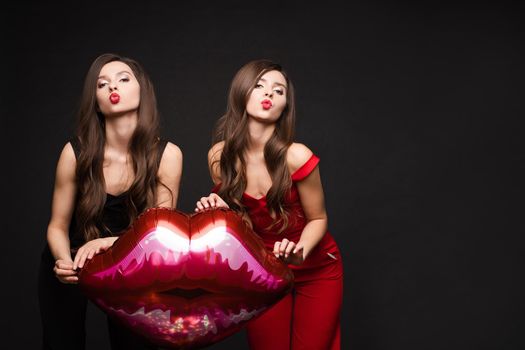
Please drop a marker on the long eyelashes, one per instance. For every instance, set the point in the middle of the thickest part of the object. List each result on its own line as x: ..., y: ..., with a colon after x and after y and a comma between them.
x: 277, y: 91
x: 102, y: 84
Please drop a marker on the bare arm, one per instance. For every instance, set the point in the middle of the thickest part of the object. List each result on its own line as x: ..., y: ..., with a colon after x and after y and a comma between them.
x: 170, y: 172
x: 61, y: 211
x: 214, y: 158
x: 312, y: 200
x: 213, y: 200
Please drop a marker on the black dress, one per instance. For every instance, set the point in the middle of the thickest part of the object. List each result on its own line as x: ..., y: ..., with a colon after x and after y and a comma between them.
x: 63, y: 306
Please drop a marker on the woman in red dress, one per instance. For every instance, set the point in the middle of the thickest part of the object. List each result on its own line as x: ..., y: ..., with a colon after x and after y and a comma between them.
x: 275, y: 183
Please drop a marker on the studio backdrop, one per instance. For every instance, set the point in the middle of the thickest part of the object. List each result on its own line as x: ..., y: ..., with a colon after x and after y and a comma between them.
x: 412, y: 109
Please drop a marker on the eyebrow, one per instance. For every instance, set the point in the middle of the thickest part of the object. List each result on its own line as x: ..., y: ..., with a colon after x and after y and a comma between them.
x: 275, y: 83
x: 124, y: 71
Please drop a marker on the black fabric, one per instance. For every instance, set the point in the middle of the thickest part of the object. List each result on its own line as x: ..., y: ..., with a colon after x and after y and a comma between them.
x: 62, y: 309
x: 63, y: 315
x: 114, y: 216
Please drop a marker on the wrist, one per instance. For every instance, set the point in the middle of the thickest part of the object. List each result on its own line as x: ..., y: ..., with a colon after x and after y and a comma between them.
x: 305, y: 252
x: 66, y: 258
x: 110, y: 240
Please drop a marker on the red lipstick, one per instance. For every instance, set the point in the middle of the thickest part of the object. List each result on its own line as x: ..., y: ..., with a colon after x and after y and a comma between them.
x: 114, y: 98
x: 266, y: 104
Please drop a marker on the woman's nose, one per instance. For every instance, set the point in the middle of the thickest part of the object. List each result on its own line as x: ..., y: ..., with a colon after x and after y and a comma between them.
x: 112, y: 87
x: 268, y: 93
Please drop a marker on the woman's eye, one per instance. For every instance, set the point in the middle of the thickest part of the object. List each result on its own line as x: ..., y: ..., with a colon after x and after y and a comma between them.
x: 126, y: 79
x: 278, y: 91
x: 101, y: 85
x: 257, y: 86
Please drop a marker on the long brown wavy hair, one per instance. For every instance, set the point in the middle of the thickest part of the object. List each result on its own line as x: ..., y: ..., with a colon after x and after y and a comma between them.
x: 232, y: 128
x: 90, y: 131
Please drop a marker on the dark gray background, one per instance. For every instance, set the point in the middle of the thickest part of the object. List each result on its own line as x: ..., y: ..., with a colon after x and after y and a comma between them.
x: 412, y: 108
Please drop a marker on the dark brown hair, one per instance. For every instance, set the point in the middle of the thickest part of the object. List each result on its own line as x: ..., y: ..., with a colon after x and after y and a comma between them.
x: 90, y: 131
x: 232, y: 128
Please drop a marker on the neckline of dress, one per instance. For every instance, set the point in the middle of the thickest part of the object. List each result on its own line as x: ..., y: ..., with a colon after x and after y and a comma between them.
x: 246, y: 195
x: 252, y: 197
x: 116, y: 195
x: 292, y: 175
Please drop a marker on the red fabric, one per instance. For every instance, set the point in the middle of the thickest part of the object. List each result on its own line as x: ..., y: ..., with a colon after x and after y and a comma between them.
x: 310, y: 317
x: 306, y: 168
x: 262, y: 220
x: 307, y: 319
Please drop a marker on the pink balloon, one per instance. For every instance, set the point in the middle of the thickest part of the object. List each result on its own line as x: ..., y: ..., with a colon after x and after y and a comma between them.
x: 186, y: 281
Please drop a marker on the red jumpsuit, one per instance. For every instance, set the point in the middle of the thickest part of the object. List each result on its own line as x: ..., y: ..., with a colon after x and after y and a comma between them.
x: 309, y: 317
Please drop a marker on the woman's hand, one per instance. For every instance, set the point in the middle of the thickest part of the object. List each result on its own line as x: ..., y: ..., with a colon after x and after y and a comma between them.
x: 212, y: 201
x: 289, y: 252
x: 90, y: 249
x: 64, y: 271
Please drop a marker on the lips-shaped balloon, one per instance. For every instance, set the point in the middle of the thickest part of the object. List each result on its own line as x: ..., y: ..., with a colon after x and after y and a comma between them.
x: 186, y: 281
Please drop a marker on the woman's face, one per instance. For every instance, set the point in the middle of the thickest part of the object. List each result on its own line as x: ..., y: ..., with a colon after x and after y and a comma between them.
x: 118, y: 91
x: 268, y: 99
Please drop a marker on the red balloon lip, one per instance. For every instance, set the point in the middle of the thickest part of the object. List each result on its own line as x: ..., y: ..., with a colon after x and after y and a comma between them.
x: 199, y: 269
x: 162, y: 258
x: 168, y: 310
x: 114, y: 98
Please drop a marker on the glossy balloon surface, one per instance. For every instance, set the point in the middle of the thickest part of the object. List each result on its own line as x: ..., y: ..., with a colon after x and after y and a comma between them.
x: 186, y: 281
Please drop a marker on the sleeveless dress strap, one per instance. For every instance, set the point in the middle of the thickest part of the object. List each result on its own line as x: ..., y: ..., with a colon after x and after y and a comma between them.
x: 306, y: 168
x: 75, y: 143
x: 161, y: 146
x: 216, y: 188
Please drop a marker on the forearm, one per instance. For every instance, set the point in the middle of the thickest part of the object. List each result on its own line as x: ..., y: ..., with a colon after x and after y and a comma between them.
x: 59, y: 244
x: 312, y: 234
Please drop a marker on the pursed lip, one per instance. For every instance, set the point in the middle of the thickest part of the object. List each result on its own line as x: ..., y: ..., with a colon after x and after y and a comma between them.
x: 199, y: 273
x: 266, y: 104
x: 114, y: 98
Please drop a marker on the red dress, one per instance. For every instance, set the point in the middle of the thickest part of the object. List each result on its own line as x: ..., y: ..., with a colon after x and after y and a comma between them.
x: 262, y: 220
x: 308, y: 318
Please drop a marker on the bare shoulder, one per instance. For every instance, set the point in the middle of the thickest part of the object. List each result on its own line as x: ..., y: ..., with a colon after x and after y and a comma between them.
x: 67, y: 163
x: 214, y: 154
x: 297, y: 155
x: 172, y: 151
x: 214, y: 157
x: 67, y: 157
x: 172, y: 156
